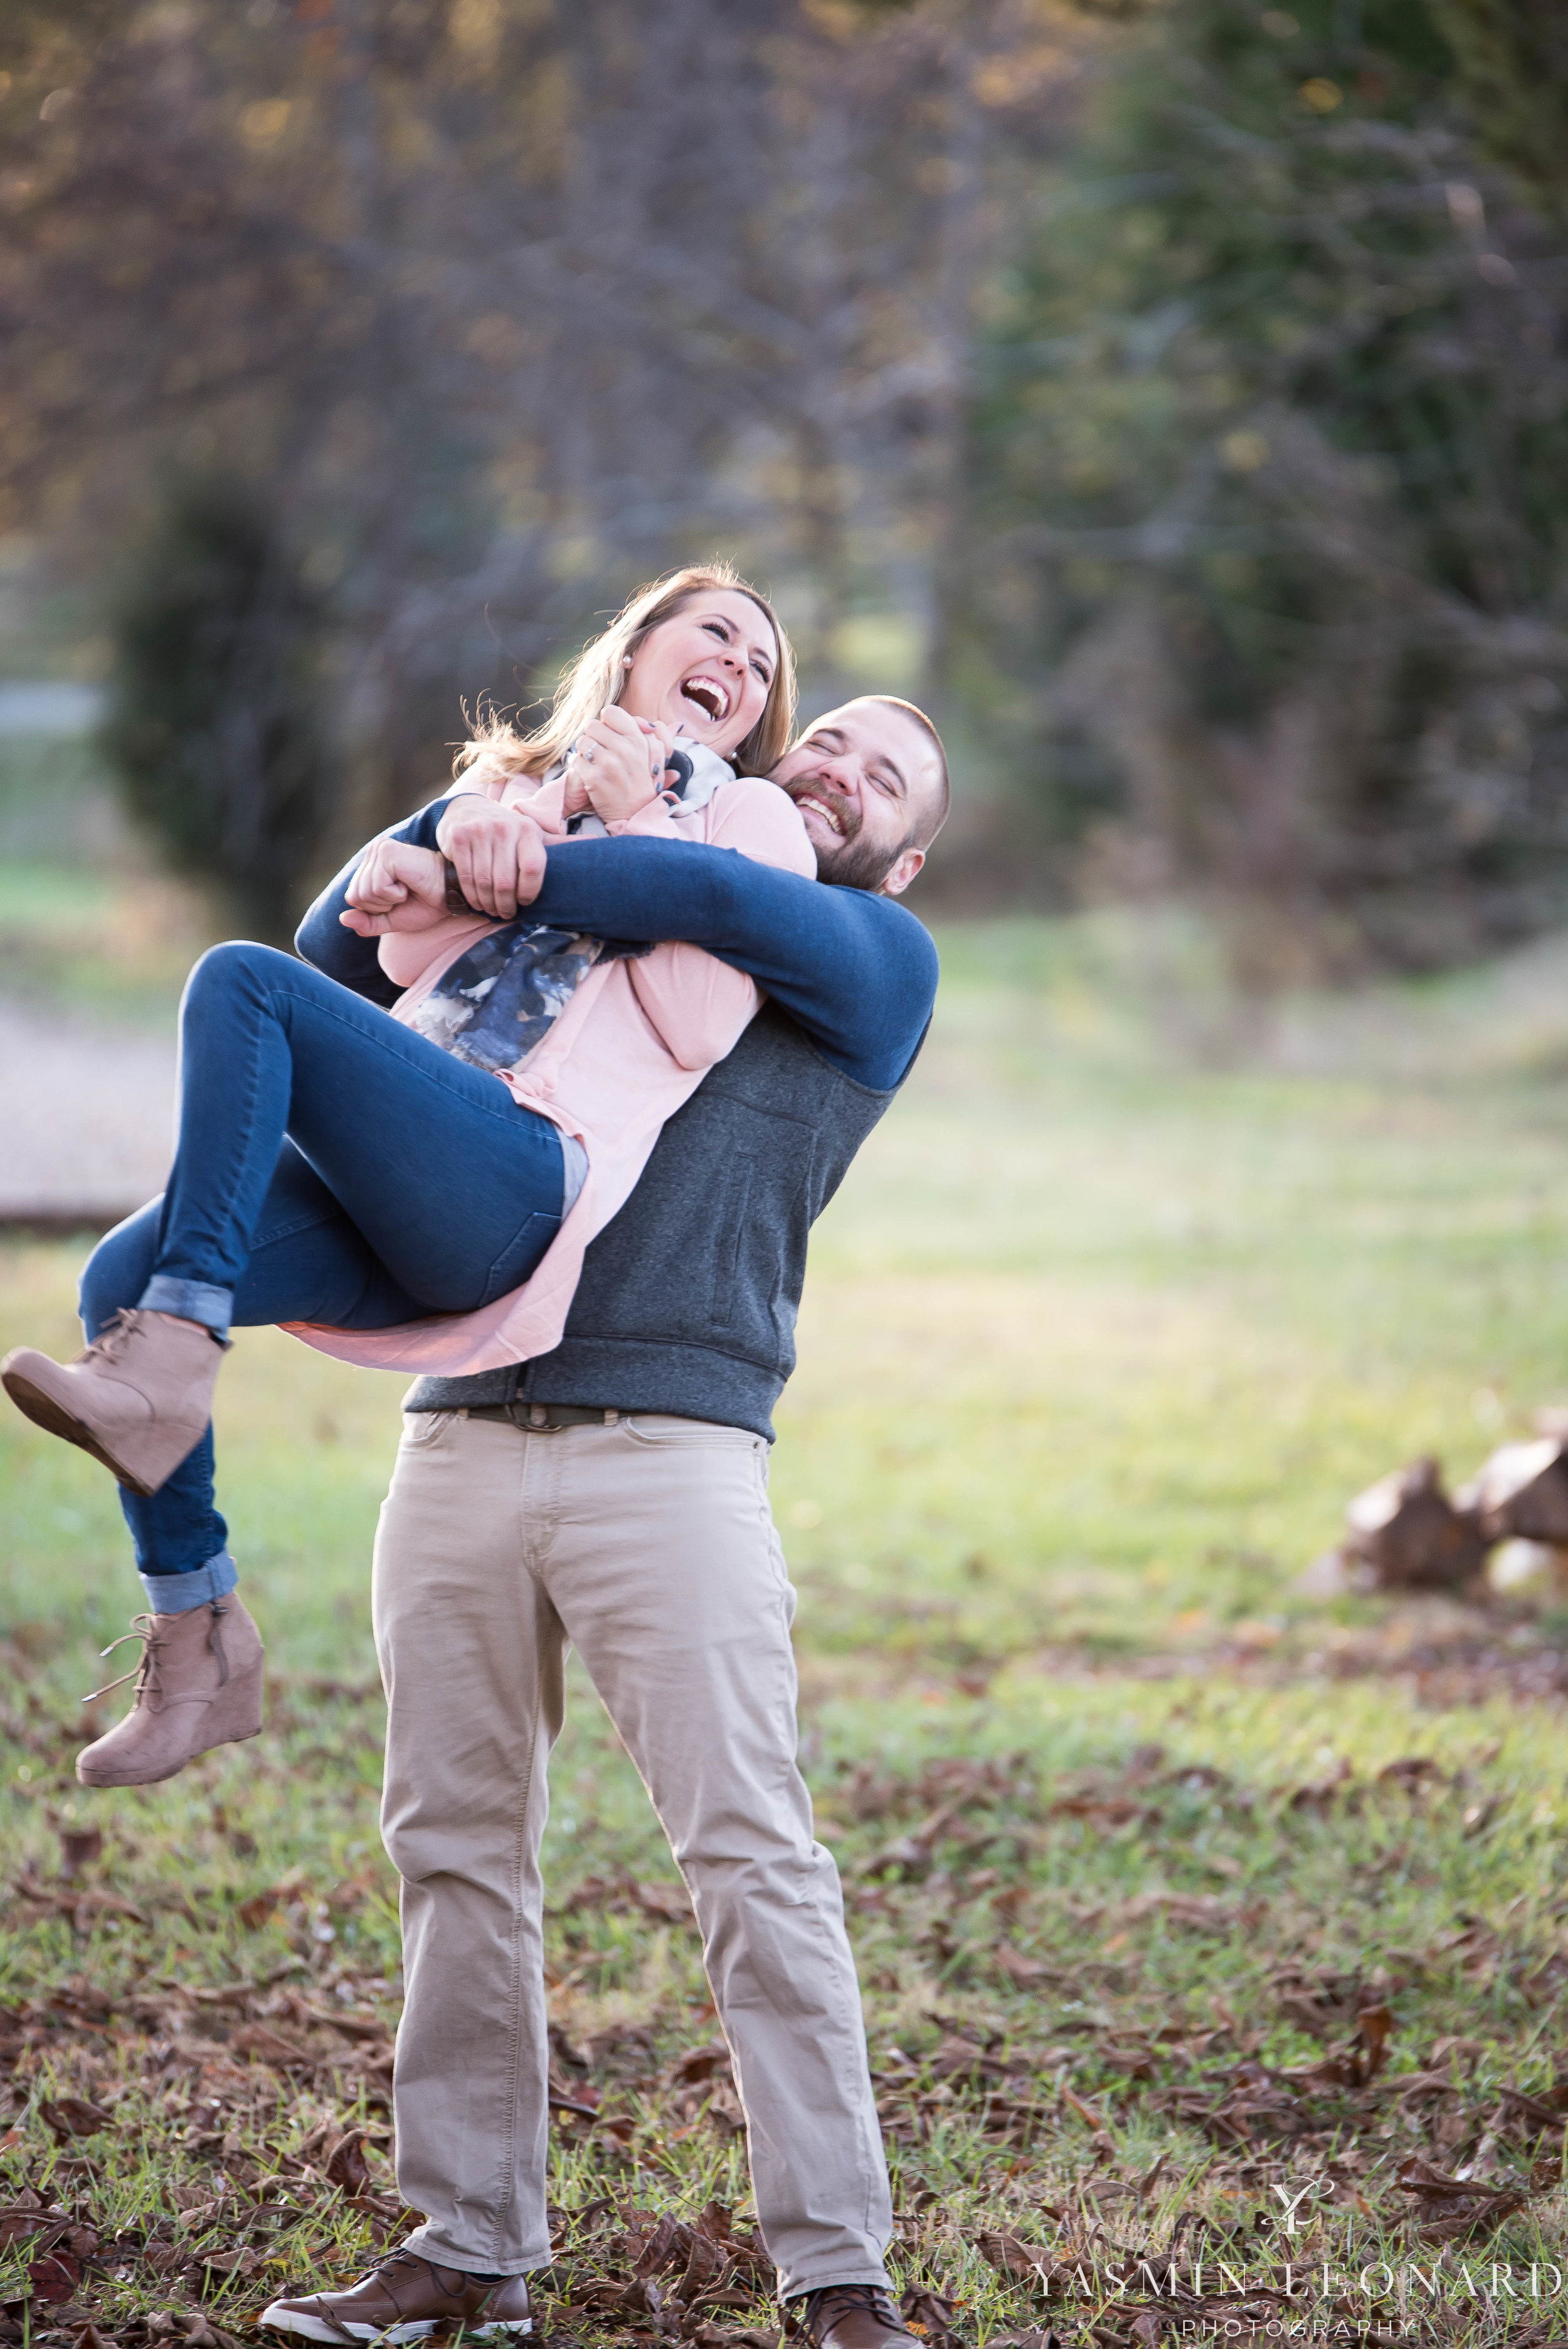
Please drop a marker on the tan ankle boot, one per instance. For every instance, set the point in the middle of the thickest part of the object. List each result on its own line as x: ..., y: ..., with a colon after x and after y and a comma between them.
x: 199, y: 1685
x: 138, y: 1398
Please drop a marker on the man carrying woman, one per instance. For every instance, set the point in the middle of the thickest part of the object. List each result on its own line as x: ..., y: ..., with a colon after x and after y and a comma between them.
x: 610, y: 1491
x: 611, y: 1494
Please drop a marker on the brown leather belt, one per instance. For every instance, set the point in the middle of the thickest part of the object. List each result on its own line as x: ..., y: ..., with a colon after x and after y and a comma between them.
x: 536, y: 1417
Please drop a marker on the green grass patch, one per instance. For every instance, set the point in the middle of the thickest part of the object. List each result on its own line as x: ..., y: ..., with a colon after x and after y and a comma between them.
x: 1176, y: 1894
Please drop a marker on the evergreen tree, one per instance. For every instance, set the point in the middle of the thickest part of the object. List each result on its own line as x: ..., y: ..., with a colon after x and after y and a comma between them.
x: 215, y: 726
x: 1272, y: 468
x: 1512, y: 56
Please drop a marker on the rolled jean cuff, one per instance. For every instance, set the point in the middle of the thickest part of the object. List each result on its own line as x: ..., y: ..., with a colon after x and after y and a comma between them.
x: 192, y: 1300
x: 176, y: 1594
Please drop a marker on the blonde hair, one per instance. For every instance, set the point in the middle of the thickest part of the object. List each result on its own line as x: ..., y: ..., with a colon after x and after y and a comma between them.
x: 596, y: 676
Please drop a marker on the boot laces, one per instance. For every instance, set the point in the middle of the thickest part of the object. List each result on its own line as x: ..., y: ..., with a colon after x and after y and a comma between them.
x: 403, y: 2257
x: 144, y: 1671
x: 380, y: 2268
x: 384, y: 2267
x: 111, y: 1342
x: 820, y: 2311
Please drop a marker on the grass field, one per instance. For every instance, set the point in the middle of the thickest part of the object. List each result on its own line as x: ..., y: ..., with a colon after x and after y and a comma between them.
x: 1172, y: 1886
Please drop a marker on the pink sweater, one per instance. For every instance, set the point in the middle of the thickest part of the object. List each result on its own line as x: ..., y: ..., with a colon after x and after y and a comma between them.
x: 633, y: 1043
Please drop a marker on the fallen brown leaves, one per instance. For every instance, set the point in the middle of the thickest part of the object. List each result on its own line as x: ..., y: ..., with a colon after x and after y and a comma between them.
x: 1027, y: 2263
x: 660, y: 2274
x: 227, y: 2040
x: 952, y: 1782
x: 58, y: 2247
x: 997, y: 2087
x: 1456, y: 2210
x: 71, y: 2117
x: 931, y: 2316
x: 624, y: 1896
x: 213, y: 2075
x: 1066, y: 1983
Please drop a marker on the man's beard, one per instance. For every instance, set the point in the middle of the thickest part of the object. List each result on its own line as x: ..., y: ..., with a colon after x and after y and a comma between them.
x: 853, y: 863
x: 856, y: 863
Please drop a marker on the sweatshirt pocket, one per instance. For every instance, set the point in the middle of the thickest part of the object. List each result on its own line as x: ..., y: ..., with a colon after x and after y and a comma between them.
x: 729, y: 1241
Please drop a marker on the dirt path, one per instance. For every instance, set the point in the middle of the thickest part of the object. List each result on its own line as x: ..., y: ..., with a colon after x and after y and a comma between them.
x: 86, y: 1117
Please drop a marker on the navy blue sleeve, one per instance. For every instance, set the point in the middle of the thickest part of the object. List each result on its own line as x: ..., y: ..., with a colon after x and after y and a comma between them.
x: 321, y: 938
x: 856, y: 971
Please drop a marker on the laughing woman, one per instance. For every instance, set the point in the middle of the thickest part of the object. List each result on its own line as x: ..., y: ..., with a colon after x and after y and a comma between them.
x: 415, y: 1191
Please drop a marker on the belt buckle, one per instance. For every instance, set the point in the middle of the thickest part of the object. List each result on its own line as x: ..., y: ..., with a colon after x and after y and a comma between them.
x: 540, y: 1418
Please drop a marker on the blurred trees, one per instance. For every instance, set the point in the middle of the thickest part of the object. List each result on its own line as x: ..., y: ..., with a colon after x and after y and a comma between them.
x: 216, y: 719
x: 1272, y: 474
x: 1186, y: 378
x: 1512, y: 56
x: 498, y: 307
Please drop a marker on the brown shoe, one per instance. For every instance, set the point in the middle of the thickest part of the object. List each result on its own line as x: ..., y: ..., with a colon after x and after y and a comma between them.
x: 850, y: 2316
x: 138, y: 1398
x: 403, y: 2298
x: 199, y: 1684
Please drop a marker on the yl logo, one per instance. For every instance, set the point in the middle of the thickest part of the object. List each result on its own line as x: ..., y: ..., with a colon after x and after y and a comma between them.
x: 1293, y: 2204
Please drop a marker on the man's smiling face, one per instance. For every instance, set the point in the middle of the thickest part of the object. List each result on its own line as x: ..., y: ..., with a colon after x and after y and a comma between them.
x: 867, y: 779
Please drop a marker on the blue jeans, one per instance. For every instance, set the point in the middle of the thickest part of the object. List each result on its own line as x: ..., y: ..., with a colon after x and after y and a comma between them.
x: 331, y: 1166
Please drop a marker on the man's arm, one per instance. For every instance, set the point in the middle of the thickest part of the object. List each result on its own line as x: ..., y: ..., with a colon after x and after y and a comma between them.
x: 344, y: 955
x: 856, y: 971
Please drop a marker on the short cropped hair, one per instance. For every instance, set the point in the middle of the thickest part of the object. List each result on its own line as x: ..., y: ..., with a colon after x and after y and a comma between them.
x: 924, y: 833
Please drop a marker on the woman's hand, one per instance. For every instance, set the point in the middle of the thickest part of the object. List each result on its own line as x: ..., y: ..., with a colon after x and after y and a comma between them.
x: 616, y: 766
x: 397, y: 887
x: 498, y: 853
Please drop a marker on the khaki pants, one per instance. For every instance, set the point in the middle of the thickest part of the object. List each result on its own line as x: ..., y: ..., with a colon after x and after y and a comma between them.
x: 647, y: 1544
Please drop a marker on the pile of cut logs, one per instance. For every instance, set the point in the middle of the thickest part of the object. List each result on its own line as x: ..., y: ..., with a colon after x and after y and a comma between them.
x: 1506, y: 1531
